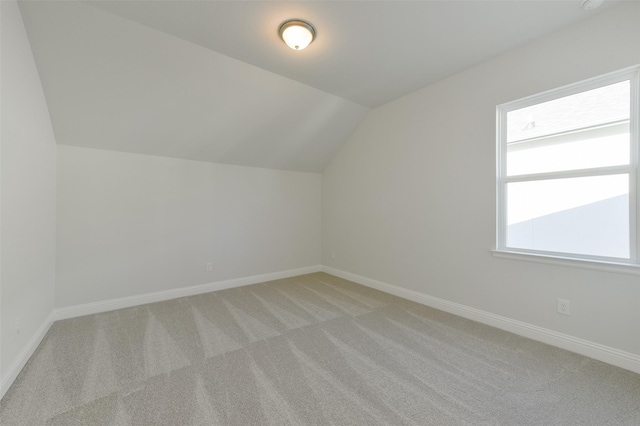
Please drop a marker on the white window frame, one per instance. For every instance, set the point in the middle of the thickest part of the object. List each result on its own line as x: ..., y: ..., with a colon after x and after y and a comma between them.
x: 631, y: 265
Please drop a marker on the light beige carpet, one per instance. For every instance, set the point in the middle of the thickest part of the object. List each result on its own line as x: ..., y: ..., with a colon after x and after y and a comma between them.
x: 310, y: 350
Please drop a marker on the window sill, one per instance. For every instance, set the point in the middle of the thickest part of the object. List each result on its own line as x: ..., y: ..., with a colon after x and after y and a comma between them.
x: 621, y: 268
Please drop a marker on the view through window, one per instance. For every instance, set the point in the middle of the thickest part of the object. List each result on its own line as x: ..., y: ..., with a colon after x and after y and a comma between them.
x: 567, y: 174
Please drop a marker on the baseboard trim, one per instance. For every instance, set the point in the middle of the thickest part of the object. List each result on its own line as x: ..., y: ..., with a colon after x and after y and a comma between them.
x: 24, y: 355
x: 587, y: 348
x: 143, y: 299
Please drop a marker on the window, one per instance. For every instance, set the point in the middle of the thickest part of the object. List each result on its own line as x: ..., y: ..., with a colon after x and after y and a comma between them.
x: 568, y: 171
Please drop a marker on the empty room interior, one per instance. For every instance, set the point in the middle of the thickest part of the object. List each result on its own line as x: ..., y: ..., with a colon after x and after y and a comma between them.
x: 320, y: 212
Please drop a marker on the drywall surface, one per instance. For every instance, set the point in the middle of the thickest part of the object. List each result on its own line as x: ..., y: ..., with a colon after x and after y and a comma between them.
x: 28, y: 191
x: 114, y: 84
x: 131, y: 224
x: 410, y: 199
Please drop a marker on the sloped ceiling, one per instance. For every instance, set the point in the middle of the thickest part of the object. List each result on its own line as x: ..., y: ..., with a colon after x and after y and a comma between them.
x: 211, y: 81
x: 114, y: 84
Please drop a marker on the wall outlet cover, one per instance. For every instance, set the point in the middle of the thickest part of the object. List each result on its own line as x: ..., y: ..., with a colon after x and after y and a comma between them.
x: 564, y: 307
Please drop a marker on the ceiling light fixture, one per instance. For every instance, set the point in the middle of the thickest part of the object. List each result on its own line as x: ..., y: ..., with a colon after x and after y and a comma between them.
x: 591, y: 4
x: 297, y: 34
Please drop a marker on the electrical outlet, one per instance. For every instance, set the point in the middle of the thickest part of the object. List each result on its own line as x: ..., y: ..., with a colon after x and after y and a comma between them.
x: 209, y: 266
x: 333, y: 254
x: 564, y: 307
x: 17, y: 326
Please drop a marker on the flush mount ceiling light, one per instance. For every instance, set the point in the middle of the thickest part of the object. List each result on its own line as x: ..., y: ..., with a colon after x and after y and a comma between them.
x: 591, y: 4
x: 297, y: 34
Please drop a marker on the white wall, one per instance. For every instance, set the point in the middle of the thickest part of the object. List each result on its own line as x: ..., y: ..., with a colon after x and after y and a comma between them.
x: 131, y: 224
x: 28, y: 193
x: 410, y: 199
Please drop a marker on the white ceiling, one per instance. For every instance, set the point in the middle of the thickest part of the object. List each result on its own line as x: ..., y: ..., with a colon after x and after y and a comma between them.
x: 369, y: 52
x: 211, y: 80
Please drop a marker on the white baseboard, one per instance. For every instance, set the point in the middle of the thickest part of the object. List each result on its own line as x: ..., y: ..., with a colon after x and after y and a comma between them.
x: 158, y: 296
x: 24, y: 355
x: 587, y: 348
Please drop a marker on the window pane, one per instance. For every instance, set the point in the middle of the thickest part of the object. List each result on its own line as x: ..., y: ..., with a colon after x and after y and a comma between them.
x: 586, y: 215
x: 601, y: 147
x: 597, y: 107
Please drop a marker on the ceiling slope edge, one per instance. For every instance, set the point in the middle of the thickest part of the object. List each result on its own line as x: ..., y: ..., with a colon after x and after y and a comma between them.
x: 115, y: 84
